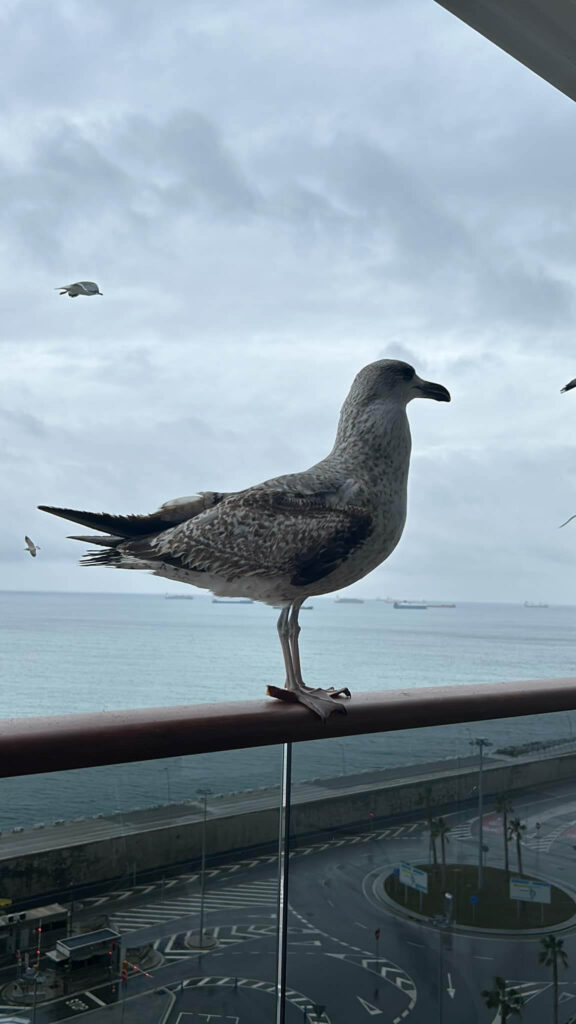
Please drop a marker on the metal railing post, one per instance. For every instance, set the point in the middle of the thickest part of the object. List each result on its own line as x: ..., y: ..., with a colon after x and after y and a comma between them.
x: 283, y: 869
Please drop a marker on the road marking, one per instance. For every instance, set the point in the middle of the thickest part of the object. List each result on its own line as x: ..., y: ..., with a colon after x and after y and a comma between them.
x: 90, y: 995
x: 372, y: 1010
x: 235, y: 897
x: 298, y: 999
x: 187, y: 878
x: 389, y: 971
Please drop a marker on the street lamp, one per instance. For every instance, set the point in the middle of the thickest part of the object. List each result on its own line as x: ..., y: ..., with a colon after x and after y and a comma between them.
x: 480, y: 743
x: 204, y: 793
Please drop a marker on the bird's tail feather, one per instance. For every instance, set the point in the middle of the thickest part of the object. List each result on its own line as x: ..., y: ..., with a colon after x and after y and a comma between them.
x: 115, y: 559
x: 170, y: 514
x: 121, y: 526
x: 105, y: 542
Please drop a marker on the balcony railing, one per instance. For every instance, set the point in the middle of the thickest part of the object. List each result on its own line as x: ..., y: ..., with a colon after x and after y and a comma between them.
x: 60, y: 743
x: 148, y: 866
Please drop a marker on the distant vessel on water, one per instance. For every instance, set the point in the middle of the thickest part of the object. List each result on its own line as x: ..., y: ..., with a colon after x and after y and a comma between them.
x: 349, y: 600
x: 179, y: 597
x: 232, y: 600
x: 304, y: 607
x: 535, y: 604
x: 410, y: 606
x: 419, y: 603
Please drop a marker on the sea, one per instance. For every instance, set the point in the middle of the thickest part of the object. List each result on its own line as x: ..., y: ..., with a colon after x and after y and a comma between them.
x: 63, y: 653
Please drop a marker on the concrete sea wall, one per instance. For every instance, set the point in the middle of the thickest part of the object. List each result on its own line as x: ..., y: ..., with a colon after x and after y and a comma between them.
x: 58, y: 865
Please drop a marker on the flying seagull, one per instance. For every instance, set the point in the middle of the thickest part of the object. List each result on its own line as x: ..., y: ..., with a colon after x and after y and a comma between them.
x: 31, y: 547
x: 291, y: 537
x: 79, y: 288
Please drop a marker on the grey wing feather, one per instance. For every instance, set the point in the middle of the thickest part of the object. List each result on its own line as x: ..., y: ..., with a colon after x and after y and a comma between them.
x: 261, y: 532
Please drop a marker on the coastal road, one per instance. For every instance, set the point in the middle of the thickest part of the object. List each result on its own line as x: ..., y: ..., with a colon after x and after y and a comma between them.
x: 347, y: 953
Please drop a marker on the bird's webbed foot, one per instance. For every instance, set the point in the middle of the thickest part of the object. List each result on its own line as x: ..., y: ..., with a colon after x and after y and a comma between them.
x: 322, y: 702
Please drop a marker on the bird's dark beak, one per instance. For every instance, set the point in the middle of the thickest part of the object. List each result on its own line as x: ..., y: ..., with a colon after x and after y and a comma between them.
x: 571, y: 384
x: 436, y: 391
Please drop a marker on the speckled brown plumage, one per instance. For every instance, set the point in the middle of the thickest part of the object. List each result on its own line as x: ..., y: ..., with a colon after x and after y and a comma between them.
x: 293, y: 536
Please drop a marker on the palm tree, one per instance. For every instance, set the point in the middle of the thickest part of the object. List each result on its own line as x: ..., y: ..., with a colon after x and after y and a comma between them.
x: 552, y: 951
x: 506, y: 1001
x: 516, y: 830
x: 504, y: 807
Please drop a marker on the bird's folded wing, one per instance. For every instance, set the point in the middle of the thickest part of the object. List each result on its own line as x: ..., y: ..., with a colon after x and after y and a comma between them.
x: 262, y: 532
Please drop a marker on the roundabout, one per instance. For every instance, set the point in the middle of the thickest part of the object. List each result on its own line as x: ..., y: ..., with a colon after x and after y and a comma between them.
x: 453, y: 895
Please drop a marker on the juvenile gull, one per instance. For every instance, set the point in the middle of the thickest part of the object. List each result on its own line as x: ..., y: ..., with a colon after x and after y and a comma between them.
x: 291, y: 537
x: 79, y: 288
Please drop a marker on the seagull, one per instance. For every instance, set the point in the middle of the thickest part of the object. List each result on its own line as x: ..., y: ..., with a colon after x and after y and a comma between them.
x: 31, y: 547
x: 79, y: 288
x: 294, y: 536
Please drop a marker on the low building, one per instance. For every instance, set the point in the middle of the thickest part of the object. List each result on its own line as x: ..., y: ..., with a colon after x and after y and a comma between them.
x: 25, y: 931
x: 102, y: 946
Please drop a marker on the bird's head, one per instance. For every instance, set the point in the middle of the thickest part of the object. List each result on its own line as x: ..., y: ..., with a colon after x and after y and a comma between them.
x: 394, y: 380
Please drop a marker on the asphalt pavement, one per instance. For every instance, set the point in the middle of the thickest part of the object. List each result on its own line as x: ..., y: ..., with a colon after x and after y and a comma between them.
x: 351, y: 957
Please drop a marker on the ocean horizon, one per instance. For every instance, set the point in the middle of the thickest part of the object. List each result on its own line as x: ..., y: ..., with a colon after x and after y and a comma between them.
x: 82, y: 652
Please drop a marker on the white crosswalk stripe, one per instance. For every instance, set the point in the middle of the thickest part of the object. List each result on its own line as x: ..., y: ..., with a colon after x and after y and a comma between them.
x: 460, y: 831
x: 251, y: 894
x: 536, y: 842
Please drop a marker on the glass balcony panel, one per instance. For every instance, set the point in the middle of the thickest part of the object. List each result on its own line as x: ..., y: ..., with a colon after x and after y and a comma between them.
x: 402, y: 906
x: 174, y: 863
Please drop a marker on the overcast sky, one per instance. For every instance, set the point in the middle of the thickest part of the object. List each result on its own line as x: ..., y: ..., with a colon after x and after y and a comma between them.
x: 272, y: 195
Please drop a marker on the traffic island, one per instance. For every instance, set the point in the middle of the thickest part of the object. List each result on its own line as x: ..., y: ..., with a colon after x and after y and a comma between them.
x: 44, y: 987
x: 490, y: 908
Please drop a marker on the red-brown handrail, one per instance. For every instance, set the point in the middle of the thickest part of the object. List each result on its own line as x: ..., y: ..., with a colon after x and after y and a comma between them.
x: 29, y: 746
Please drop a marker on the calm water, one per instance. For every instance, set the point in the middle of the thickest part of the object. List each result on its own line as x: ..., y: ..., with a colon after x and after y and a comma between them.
x: 90, y: 652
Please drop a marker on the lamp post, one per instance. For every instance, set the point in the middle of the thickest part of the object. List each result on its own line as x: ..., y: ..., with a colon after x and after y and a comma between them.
x: 480, y: 743
x: 204, y: 793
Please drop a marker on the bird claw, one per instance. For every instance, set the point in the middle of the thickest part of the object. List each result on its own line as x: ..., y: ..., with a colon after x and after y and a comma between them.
x: 322, y: 702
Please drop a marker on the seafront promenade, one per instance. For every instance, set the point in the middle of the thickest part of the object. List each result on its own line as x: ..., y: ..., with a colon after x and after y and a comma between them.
x: 38, y: 860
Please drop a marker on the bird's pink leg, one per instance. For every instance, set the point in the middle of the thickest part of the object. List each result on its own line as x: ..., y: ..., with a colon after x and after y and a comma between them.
x: 318, y: 700
x: 283, y: 628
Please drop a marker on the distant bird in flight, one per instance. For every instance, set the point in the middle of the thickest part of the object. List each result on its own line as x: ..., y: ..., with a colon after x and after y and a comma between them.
x: 31, y: 547
x: 291, y: 537
x: 79, y: 288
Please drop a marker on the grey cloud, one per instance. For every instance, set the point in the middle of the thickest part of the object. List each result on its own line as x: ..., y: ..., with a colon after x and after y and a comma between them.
x: 268, y: 205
